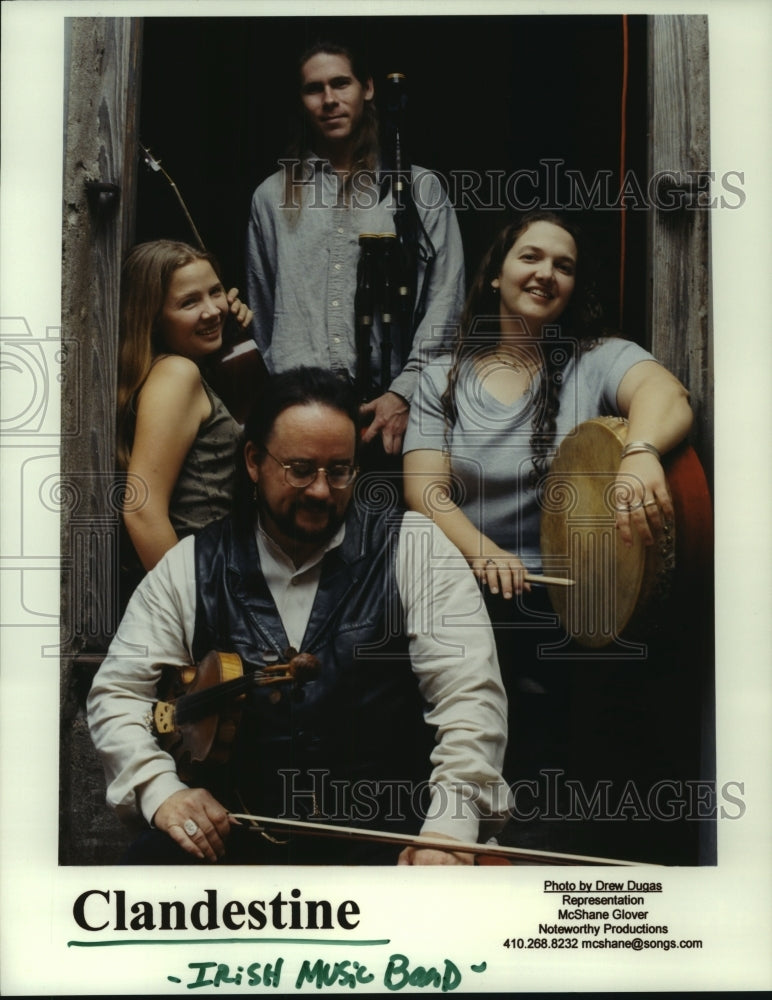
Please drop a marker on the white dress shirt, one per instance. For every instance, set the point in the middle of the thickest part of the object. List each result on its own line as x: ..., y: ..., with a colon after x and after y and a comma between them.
x: 451, y: 648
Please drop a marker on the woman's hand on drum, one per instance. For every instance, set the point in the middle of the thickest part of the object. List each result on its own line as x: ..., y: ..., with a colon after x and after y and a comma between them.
x: 500, y: 571
x: 642, y: 499
x: 239, y: 310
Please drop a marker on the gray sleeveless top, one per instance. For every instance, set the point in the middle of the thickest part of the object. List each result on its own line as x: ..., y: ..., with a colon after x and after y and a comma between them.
x: 204, y: 490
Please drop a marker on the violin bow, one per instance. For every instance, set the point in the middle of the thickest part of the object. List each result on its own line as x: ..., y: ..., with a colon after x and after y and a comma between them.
x: 264, y: 824
x: 155, y: 165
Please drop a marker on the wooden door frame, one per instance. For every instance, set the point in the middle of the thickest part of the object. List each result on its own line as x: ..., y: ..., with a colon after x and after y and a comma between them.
x: 679, y: 295
x: 103, y: 58
x: 679, y: 286
x: 100, y: 175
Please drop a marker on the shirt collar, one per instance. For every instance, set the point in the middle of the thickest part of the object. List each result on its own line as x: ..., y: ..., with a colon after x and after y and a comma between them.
x: 318, y: 163
x: 266, y: 543
x: 322, y: 163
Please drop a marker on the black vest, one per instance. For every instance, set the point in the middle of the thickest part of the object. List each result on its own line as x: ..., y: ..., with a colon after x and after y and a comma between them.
x: 350, y: 746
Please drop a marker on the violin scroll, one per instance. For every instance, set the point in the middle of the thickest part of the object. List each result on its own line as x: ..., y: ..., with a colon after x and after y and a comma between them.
x: 303, y: 667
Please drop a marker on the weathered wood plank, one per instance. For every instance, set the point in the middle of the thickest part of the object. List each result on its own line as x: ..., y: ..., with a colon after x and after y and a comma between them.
x: 679, y: 237
x: 100, y: 149
x: 679, y: 294
x: 100, y: 159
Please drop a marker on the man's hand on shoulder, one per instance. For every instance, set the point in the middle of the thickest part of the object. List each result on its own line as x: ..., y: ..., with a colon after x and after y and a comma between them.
x: 390, y: 415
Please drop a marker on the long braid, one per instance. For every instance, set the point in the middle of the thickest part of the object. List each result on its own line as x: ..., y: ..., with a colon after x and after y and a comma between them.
x: 544, y: 423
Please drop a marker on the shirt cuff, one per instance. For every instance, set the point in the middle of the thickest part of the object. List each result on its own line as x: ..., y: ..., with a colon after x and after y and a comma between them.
x: 404, y: 385
x: 454, y: 813
x: 451, y: 814
x: 156, y: 792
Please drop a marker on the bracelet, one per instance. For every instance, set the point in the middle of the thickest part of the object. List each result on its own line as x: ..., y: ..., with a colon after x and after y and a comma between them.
x: 636, y: 447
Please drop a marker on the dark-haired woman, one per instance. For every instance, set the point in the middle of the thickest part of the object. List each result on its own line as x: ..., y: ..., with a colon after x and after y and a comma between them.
x: 531, y: 362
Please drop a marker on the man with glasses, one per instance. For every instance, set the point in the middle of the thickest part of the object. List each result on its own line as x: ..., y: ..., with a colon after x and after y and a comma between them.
x: 402, y: 727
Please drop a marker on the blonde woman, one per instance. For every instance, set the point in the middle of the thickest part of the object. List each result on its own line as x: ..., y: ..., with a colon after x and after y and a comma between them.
x: 177, y: 442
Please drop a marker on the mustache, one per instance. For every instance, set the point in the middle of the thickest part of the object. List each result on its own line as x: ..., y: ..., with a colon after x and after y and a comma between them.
x: 313, y: 505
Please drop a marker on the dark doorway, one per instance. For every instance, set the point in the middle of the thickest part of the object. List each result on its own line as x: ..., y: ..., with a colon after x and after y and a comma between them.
x: 506, y: 109
x: 512, y: 112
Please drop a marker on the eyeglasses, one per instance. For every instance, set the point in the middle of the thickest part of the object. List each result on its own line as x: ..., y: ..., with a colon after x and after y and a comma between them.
x: 300, y: 473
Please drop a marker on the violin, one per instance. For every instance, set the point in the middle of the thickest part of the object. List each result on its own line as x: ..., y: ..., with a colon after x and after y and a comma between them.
x: 198, y: 724
x: 237, y: 373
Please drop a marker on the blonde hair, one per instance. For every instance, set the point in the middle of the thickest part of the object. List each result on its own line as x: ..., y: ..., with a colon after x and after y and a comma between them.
x: 145, y: 279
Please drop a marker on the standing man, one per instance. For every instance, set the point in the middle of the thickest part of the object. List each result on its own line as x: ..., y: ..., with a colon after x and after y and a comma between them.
x: 402, y: 727
x: 303, y: 244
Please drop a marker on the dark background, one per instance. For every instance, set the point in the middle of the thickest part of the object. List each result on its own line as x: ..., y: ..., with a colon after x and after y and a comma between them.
x: 484, y: 93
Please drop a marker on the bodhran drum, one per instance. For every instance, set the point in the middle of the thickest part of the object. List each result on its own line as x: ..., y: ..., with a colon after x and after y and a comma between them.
x: 619, y: 593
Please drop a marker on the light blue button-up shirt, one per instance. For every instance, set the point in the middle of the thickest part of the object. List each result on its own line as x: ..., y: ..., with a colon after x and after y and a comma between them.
x: 301, y: 267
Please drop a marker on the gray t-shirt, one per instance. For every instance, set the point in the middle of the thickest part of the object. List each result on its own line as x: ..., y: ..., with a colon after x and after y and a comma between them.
x: 489, y: 444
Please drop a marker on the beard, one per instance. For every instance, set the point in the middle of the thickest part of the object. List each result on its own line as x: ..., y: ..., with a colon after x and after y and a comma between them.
x: 285, y: 522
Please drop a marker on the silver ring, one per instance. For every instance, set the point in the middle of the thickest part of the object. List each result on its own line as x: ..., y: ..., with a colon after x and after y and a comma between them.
x: 490, y: 562
x: 190, y: 827
x: 650, y: 503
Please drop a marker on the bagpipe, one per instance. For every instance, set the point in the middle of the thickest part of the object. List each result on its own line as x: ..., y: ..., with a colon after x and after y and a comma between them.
x: 394, y: 269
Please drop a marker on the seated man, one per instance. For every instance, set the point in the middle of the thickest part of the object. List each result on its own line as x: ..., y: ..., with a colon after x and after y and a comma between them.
x: 402, y: 727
